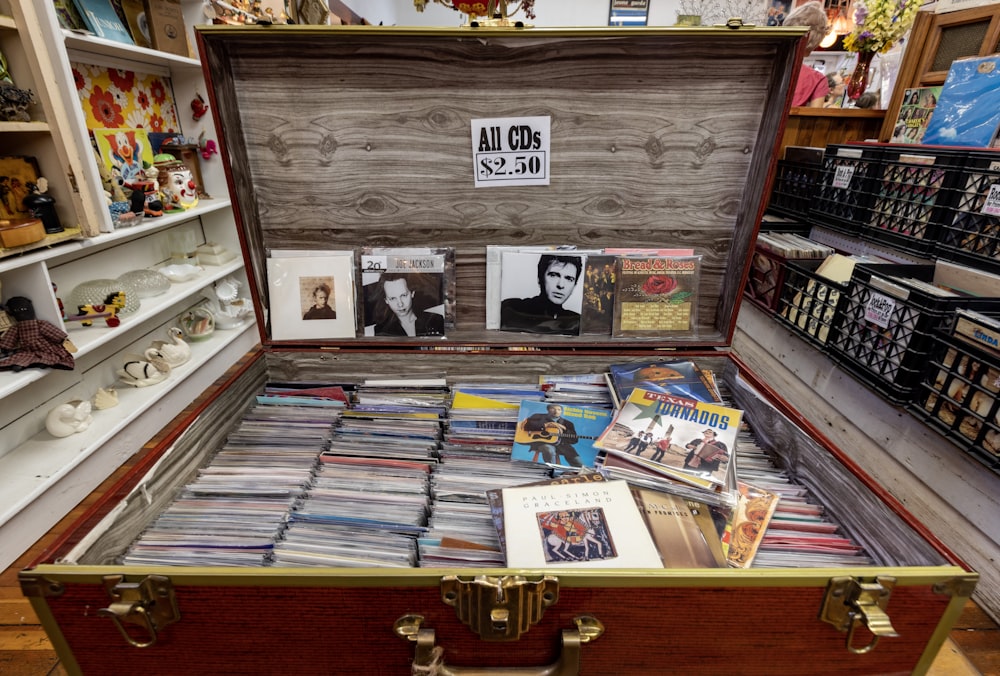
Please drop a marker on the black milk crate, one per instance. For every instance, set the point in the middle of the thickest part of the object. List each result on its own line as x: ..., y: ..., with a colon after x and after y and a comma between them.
x: 908, y: 202
x: 845, y: 188
x: 881, y: 331
x: 767, y: 270
x: 795, y: 185
x: 959, y: 396
x: 970, y: 223
x: 808, y: 302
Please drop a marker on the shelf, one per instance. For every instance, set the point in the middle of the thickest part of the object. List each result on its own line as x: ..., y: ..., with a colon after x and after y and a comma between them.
x: 41, y: 253
x: 90, y: 338
x: 26, y: 471
x: 205, y: 206
x: 32, y: 126
x: 109, y: 48
x: 11, y: 382
x: 41, y: 477
x: 41, y: 249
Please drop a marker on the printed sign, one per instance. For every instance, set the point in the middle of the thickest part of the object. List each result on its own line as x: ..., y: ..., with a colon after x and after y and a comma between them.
x: 842, y: 176
x: 879, y: 310
x: 992, y: 205
x: 511, y: 151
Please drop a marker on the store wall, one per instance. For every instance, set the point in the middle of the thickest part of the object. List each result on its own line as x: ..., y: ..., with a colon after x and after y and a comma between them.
x: 547, y: 13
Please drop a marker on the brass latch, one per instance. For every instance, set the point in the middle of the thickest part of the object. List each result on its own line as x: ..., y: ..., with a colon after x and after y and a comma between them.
x: 149, y: 604
x: 849, y: 602
x: 428, y: 658
x: 499, y: 608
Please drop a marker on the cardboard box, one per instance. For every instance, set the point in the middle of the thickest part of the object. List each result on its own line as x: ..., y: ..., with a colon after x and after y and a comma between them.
x: 166, y: 26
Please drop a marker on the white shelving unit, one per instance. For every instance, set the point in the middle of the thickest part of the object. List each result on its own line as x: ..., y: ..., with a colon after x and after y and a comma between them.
x: 43, y: 477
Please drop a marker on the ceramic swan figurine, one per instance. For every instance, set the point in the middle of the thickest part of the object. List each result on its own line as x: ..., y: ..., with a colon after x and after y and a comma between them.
x: 157, y: 359
x: 140, y: 373
x: 69, y: 418
x: 174, y: 352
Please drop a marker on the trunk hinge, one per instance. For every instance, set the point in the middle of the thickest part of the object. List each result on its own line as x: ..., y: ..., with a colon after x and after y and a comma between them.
x: 149, y: 604
x: 849, y: 602
x: 36, y: 586
x: 962, y: 586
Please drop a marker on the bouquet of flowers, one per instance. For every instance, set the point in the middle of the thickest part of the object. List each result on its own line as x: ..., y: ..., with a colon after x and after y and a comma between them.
x: 879, y: 23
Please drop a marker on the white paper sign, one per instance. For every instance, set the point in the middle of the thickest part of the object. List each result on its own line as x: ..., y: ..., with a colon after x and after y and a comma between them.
x: 879, y: 310
x: 842, y: 176
x: 511, y: 151
x: 992, y: 205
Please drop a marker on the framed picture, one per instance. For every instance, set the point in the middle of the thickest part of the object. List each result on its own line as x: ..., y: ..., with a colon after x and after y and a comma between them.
x: 777, y: 10
x: 311, y: 294
x: 17, y: 176
x: 628, y: 13
x: 124, y: 151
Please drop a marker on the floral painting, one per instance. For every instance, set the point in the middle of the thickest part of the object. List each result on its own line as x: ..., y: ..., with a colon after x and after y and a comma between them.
x: 115, y: 99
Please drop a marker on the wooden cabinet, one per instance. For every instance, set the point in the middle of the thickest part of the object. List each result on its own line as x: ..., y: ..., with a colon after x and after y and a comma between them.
x: 43, y: 477
x: 819, y: 127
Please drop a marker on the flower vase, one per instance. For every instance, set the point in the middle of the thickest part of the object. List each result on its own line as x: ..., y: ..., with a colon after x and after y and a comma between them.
x: 857, y: 83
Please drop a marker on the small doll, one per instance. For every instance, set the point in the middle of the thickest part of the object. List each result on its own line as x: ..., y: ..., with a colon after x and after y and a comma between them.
x: 32, y: 342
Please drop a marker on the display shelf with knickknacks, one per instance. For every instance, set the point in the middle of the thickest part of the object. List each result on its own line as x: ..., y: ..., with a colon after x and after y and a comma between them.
x: 65, y: 68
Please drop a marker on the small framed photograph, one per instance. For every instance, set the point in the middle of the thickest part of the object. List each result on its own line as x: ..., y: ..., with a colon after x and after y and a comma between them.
x: 312, y: 295
x: 628, y: 13
x: 18, y: 176
x: 777, y: 10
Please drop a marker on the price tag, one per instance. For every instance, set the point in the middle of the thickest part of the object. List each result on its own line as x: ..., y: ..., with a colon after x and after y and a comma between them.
x: 879, y: 310
x: 842, y: 176
x: 511, y: 151
x: 992, y: 205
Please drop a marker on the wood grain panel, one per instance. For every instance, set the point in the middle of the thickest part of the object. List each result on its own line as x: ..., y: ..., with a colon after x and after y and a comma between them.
x: 341, y: 138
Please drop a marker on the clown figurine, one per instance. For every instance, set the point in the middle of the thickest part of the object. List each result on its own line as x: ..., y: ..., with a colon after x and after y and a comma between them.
x: 177, y: 185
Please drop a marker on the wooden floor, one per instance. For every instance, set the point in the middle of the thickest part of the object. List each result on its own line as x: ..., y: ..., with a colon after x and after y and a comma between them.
x: 973, y: 648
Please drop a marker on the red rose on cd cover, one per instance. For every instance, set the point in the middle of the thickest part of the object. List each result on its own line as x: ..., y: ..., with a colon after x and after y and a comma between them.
x: 656, y: 285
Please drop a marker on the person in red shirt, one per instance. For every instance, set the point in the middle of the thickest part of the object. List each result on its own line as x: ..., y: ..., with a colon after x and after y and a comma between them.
x: 811, y: 86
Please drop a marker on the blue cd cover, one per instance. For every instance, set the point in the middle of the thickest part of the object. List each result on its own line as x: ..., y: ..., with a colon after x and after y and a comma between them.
x: 680, y: 378
x: 968, y: 112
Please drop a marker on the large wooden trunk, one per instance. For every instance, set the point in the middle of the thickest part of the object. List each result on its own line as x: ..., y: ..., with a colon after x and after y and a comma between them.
x: 351, y: 136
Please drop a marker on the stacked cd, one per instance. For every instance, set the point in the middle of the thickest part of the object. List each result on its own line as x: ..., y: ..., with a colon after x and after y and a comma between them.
x: 462, y: 532
x: 235, y: 508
